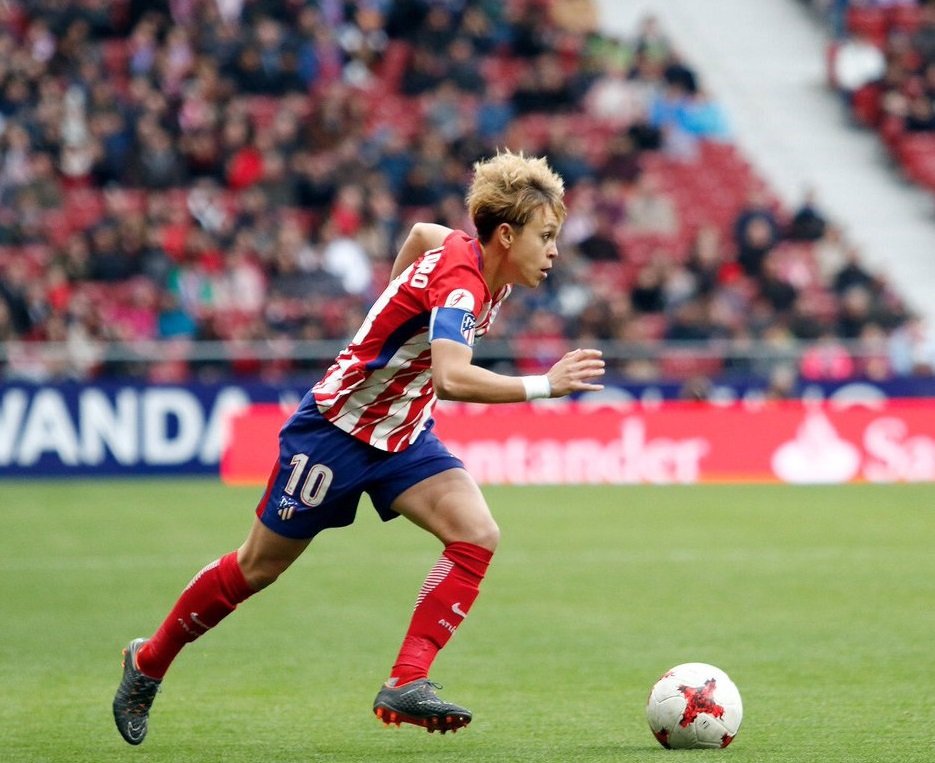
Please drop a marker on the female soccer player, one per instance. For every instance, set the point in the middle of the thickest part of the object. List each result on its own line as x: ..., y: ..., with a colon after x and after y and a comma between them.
x: 367, y: 427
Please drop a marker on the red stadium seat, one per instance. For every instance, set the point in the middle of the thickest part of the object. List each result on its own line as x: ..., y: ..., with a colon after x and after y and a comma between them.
x: 504, y: 70
x: 914, y: 143
x: 84, y: 207
x: 868, y: 21
x: 393, y: 66
x: 262, y: 110
x: 904, y: 17
x: 920, y: 168
x: 686, y: 364
x: 866, y: 105
x: 115, y: 55
x: 57, y: 226
x: 611, y: 273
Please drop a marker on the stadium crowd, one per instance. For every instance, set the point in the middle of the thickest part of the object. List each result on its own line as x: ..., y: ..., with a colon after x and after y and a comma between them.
x: 243, y: 170
x: 883, y: 63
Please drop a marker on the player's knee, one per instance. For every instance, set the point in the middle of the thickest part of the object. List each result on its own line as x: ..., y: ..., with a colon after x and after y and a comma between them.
x: 486, y: 534
x: 262, y: 572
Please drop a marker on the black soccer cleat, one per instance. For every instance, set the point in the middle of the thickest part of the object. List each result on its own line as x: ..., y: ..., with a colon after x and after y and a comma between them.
x: 417, y: 703
x: 134, y: 697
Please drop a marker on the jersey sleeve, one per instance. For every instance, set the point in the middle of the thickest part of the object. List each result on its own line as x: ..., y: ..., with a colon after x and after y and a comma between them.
x: 456, y: 292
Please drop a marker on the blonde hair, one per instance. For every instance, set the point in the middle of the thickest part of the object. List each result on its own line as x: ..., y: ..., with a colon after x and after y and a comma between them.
x: 509, y: 188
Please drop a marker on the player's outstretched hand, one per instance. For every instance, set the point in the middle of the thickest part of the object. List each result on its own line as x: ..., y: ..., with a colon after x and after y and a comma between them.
x: 576, y: 371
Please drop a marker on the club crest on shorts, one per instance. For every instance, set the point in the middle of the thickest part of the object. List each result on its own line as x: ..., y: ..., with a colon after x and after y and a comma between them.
x: 287, y: 508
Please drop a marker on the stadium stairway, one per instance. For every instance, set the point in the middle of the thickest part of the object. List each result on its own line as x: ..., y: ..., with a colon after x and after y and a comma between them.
x: 765, y: 61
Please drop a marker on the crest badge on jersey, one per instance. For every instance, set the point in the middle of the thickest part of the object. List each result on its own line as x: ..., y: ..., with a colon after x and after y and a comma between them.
x: 462, y: 299
x: 467, y: 328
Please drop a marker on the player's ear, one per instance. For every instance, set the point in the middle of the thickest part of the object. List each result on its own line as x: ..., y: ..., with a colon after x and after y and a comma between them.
x: 505, y: 235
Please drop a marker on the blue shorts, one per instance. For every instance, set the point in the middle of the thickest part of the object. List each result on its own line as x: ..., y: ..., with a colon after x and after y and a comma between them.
x: 322, y: 472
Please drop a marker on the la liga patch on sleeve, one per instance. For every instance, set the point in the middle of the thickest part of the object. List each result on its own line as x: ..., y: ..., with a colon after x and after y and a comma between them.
x: 462, y: 299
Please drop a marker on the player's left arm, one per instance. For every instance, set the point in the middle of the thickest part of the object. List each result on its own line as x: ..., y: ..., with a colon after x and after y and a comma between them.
x: 456, y: 378
x: 421, y: 238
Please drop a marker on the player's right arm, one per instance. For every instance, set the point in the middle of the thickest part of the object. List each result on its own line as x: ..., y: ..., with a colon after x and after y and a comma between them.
x: 421, y: 238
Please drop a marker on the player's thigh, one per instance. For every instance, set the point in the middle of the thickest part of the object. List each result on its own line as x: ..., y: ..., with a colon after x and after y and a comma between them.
x: 450, y: 505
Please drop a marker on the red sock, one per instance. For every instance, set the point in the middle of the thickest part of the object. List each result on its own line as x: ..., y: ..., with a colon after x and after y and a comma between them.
x: 444, y: 601
x: 210, y: 597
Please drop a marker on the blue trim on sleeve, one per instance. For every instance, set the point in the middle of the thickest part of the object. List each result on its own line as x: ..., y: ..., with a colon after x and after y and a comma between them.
x: 398, y: 338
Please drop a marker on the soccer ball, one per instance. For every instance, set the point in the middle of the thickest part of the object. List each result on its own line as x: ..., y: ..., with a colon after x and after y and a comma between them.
x: 694, y: 705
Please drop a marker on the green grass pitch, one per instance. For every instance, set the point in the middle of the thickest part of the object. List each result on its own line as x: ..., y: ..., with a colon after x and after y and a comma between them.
x: 819, y: 602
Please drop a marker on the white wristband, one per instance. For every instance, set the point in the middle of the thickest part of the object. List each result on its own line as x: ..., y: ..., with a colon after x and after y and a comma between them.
x: 536, y: 386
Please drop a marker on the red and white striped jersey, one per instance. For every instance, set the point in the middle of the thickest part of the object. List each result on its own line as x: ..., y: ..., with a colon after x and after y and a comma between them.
x: 379, y: 388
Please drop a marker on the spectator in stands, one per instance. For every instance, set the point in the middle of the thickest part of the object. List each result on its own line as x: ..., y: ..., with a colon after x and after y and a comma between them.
x: 703, y: 118
x: 858, y: 61
x: 706, y: 260
x: 920, y: 113
x: 911, y: 348
x: 108, y: 261
x: 382, y: 225
x: 13, y: 292
x: 873, y: 361
x: 855, y: 312
x: 756, y: 232
x: 782, y: 382
x: 814, y: 315
x: 808, y: 221
x: 649, y: 209
x: 241, y: 285
x: 540, y: 343
x: 581, y: 220
x: 827, y: 360
x: 648, y: 292
x: 600, y: 245
x: 172, y: 320
x: 344, y: 257
x: 15, y: 168
x: 494, y: 112
x: 43, y: 184
x: 689, y: 323
x: 616, y: 98
x: 830, y: 253
x: 281, y: 105
x: 923, y: 38
x: 316, y: 184
x: 775, y: 288
x: 419, y: 188
x: 777, y: 350
x: 425, y: 72
x: 852, y: 273
x: 622, y: 161
x: 442, y: 114
x: 276, y: 181
x: 464, y: 67
x: 568, y: 155
x: 544, y: 87
x: 651, y: 41
x: 8, y: 332
x: 155, y: 162
x: 528, y: 30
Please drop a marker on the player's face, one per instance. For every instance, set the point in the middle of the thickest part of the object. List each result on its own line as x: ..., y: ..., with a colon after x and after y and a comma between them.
x: 534, y: 248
